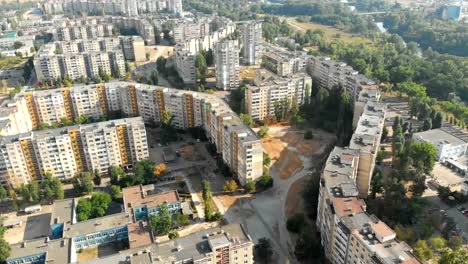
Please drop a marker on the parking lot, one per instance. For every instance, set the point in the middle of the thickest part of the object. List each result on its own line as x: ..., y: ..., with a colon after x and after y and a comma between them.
x: 447, y: 177
x: 460, y: 219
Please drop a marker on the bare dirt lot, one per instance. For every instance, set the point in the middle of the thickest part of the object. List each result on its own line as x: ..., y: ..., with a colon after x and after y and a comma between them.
x: 190, y: 153
x: 285, y: 146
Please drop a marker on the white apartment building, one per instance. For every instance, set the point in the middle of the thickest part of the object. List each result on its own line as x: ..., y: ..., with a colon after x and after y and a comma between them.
x: 50, y: 106
x: 226, y: 55
x: 268, y: 91
x: 185, y: 64
x: 63, y: 152
x: 14, y: 116
x: 186, y: 30
x: 113, y: 7
x: 252, y: 43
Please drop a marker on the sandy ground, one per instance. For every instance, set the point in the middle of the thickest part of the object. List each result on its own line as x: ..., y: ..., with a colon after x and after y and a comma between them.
x: 265, y: 214
x: 189, y: 153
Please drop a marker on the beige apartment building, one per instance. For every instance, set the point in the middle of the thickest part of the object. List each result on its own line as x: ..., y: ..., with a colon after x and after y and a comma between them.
x: 348, y: 233
x: 100, y: 146
x: 268, y: 91
x: 283, y: 62
x: 65, y: 151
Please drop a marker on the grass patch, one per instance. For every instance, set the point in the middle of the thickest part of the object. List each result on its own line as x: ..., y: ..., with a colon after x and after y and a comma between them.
x: 331, y: 33
x: 10, y: 62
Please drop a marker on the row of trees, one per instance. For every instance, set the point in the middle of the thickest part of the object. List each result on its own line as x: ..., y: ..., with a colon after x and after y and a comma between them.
x: 94, y: 207
x: 51, y: 188
x: 210, y: 215
x: 144, y: 172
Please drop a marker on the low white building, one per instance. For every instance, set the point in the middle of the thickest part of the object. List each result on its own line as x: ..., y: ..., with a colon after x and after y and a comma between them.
x: 447, y: 144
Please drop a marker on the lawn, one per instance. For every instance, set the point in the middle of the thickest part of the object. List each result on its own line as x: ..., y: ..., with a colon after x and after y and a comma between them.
x: 331, y: 33
x: 10, y: 62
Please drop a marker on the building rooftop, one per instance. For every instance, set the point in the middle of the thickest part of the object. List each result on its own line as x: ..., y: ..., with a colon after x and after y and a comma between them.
x: 192, y: 247
x: 55, y: 251
x: 139, y: 234
x: 96, y: 225
x: 340, y: 171
x: 62, y: 212
x: 348, y: 206
x: 440, y: 137
x: 147, y: 195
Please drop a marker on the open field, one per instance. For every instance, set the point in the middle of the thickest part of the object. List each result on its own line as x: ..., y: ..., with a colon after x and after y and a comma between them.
x: 288, y: 164
x: 331, y: 33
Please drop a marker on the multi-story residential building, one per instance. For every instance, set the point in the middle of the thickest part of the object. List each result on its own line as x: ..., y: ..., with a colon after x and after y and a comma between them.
x: 63, y: 152
x: 366, y: 139
x: 86, y: 58
x: 82, y: 31
x: 133, y: 48
x: 283, y: 62
x: 185, y: 64
x: 330, y: 74
x: 113, y: 7
x: 14, y: 116
x: 348, y: 233
x: 252, y: 43
x: 8, y: 46
x: 226, y: 55
x: 186, y: 30
x: 269, y: 92
x: 239, y: 146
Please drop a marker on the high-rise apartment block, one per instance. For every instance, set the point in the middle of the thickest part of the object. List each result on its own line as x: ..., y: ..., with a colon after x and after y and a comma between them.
x: 348, y: 233
x: 186, y: 51
x: 268, y: 92
x: 88, y: 57
x: 239, y: 146
x: 227, y: 64
x: 104, y: 26
x: 63, y: 152
x: 113, y: 7
x: 283, y: 62
x: 252, y: 43
x: 330, y: 74
x: 185, y: 64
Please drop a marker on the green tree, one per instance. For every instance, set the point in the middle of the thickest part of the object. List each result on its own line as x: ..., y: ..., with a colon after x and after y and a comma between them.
x: 263, y: 132
x: 30, y: 192
x: 230, y: 186
x: 376, y: 183
x: 425, y: 152
x: 115, y: 174
x: 459, y: 256
x: 162, y: 222
x: 263, y: 251
x: 423, y: 251
x: 455, y: 242
x: 116, y: 192
x: 161, y: 65
x: 247, y: 119
x: 250, y: 187
x: 52, y: 188
x: 83, y: 209
x: 182, y: 219
x: 5, y: 250
x: 266, y: 160
x: 3, y: 194
x: 200, y: 65
x: 83, y: 182
x: 173, y: 234
x: 438, y: 243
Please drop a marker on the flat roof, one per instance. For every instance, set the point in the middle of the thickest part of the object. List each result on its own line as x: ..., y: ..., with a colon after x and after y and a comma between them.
x: 148, y: 195
x: 139, y: 234
x: 62, y: 212
x: 57, y: 251
x: 340, y: 172
x: 439, y: 137
x: 96, y: 225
